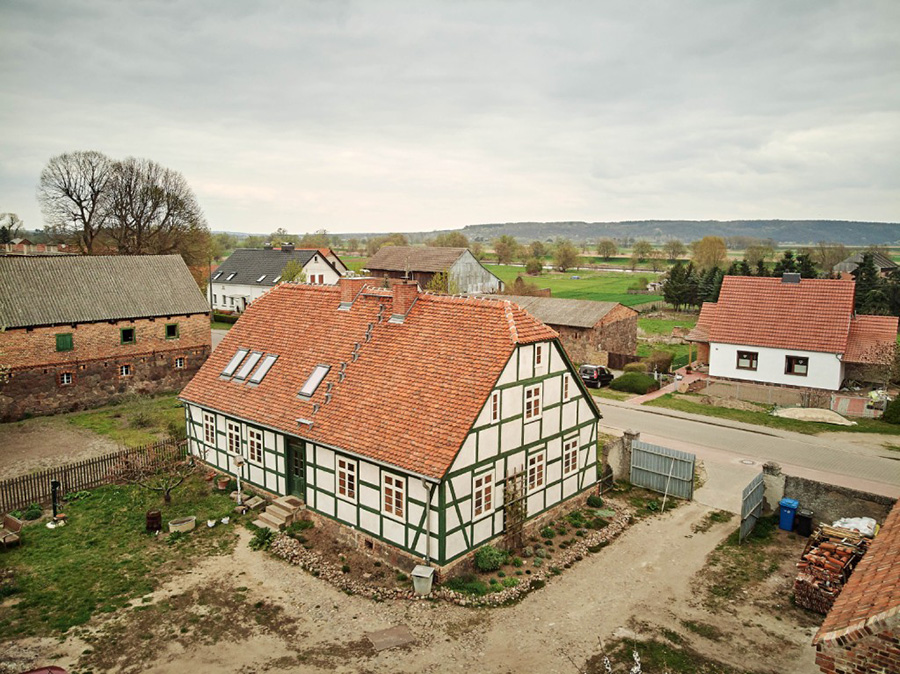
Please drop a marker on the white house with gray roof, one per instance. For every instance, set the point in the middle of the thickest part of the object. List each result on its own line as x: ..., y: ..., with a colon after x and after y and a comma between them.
x: 249, y: 273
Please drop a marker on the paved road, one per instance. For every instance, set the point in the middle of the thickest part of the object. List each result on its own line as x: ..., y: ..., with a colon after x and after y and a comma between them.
x: 732, y: 452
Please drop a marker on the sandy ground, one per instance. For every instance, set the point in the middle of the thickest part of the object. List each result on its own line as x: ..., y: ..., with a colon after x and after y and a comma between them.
x: 27, y: 446
x: 249, y: 612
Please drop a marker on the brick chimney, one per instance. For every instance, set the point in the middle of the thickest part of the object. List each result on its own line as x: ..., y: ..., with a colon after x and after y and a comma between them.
x: 405, y: 293
x: 350, y: 288
x: 287, y: 247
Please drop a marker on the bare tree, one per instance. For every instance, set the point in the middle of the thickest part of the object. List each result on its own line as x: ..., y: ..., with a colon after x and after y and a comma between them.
x: 162, y: 479
x: 10, y: 225
x: 154, y: 211
x: 74, y: 195
x: 674, y: 249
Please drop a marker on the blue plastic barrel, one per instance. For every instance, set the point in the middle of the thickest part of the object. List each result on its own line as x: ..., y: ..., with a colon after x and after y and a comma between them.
x: 788, y: 510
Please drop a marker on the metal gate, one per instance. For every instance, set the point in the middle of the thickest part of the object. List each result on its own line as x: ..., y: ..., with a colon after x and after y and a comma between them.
x: 751, y: 505
x: 661, y: 469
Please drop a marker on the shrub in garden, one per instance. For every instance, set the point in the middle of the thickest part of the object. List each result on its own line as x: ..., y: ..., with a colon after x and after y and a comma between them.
x: 634, y: 382
x: 635, y: 367
x: 262, y: 539
x: 533, y: 267
x: 595, y: 501
x: 661, y: 361
x: 892, y: 412
x: 33, y: 512
x: 489, y: 558
x: 547, y: 532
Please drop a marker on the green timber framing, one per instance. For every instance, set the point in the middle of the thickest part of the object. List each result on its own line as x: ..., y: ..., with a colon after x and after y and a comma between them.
x: 450, y: 499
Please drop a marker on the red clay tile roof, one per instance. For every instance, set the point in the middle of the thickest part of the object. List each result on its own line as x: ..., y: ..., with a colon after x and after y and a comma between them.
x: 813, y: 315
x: 700, y: 332
x: 873, y: 591
x: 872, y: 340
x: 408, y: 400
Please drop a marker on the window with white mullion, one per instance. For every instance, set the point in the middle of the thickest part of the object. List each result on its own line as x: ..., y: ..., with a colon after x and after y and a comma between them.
x: 494, y: 403
x: 346, y: 479
x: 393, y: 492
x: 482, y: 494
x: 570, y: 456
x: 234, y: 438
x: 255, y: 445
x: 536, y: 471
x: 532, y: 402
x: 209, y: 429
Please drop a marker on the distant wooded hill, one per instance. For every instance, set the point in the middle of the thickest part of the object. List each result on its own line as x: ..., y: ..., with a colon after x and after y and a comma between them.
x: 780, y: 231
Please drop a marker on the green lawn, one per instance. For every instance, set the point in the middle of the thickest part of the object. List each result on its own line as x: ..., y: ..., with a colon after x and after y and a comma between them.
x: 103, y: 559
x: 688, y: 403
x: 353, y: 263
x: 216, y: 325
x: 593, y: 285
x: 664, y: 326
x: 138, y: 421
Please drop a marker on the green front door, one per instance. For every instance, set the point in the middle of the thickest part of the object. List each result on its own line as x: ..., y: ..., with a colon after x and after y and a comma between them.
x: 296, y: 469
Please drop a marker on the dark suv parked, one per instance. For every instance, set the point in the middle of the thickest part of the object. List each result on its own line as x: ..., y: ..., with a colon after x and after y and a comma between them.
x: 595, y: 375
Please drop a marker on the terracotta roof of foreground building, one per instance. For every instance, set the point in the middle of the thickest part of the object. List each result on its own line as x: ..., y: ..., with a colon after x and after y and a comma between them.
x: 872, y: 340
x: 872, y: 595
x: 700, y: 332
x: 404, y: 394
x: 812, y: 315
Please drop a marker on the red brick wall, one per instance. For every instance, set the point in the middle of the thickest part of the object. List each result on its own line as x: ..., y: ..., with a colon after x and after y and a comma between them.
x: 616, y: 333
x: 22, y: 348
x: 877, y: 653
x: 31, y: 369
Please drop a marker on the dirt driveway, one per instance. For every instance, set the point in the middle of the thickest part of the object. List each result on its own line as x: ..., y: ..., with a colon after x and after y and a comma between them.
x: 249, y: 612
x: 27, y: 446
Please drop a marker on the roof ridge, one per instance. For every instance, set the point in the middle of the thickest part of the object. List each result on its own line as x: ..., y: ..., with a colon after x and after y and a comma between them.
x: 508, y: 310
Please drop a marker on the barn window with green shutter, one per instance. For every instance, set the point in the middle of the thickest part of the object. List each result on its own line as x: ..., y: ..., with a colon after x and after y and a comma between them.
x: 171, y: 330
x: 64, y: 342
x: 127, y: 335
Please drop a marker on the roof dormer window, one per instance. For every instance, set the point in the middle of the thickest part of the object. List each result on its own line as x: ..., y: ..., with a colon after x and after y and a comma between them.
x: 309, y: 388
x: 234, y: 362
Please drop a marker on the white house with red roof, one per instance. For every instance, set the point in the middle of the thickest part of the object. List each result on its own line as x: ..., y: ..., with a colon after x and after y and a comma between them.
x: 792, y: 332
x: 397, y: 413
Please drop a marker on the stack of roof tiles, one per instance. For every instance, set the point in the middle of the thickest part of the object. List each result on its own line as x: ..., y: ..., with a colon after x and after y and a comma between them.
x: 405, y: 394
x: 825, y: 566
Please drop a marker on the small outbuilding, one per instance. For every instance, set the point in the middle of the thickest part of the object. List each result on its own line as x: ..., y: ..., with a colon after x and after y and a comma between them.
x: 462, y: 272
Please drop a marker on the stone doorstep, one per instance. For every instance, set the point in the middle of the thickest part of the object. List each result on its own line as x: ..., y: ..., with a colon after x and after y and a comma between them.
x: 267, y: 520
x: 266, y: 525
x: 291, y: 503
x: 278, y: 511
x: 254, y: 502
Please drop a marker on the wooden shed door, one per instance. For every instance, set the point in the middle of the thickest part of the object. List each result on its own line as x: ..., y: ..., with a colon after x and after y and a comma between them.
x: 296, y: 469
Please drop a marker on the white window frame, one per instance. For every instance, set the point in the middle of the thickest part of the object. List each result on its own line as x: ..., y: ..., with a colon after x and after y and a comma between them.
x: 537, y: 470
x: 494, y: 402
x: 179, y: 363
x: 532, y: 407
x: 125, y: 370
x: 255, y: 446
x: 66, y: 375
x: 570, y: 456
x: 233, y: 435
x: 349, y: 470
x: 209, y: 429
x: 393, y: 489
x: 482, y: 495
x: 566, y: 388
x: 538, y: 355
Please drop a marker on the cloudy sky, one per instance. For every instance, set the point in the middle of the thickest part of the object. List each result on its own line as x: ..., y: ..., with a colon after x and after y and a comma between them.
x: 404, y: 116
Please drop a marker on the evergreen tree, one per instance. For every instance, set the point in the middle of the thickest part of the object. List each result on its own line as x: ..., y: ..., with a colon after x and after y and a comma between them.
x: 744, y: 268
x: 692, y: 282
x: 867, y: 280
x: 786, y: 265
x: 806, y: 266
x: 717, y: 286
x: 875, y: 303
x: 676, y: 290
x: 761, y: 268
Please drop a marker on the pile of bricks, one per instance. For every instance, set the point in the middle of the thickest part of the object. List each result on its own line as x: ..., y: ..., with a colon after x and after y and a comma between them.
x: 825, y: 566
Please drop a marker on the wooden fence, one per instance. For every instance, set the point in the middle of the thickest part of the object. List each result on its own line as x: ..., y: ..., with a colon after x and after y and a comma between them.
x: 19, y: 492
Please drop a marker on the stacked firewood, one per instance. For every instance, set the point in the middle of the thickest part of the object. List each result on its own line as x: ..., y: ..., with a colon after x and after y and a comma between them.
x: 825, y: 566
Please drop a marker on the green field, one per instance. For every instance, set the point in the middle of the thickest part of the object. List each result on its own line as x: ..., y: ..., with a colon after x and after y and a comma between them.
x: 664, y: 326
x: 593, y: 285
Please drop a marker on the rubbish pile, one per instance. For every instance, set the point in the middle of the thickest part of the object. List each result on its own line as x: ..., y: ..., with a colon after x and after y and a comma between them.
x: 825, y: 566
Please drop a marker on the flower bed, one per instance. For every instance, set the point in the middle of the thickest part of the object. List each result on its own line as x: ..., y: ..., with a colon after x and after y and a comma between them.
x: 314, y: 562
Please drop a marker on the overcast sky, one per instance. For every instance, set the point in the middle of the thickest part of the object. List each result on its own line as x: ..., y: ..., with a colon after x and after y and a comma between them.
x: 404, y: 116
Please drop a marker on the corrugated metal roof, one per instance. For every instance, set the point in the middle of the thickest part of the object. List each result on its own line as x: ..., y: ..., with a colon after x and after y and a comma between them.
x: 558, y: 311
x: 56, y: 289
x: 261, y: 266
x: 414, y: 258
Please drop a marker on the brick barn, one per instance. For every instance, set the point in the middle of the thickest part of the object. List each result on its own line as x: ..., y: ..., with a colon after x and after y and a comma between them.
x: 600, y: 333
x: 78, y: 332
x: 861, y: 633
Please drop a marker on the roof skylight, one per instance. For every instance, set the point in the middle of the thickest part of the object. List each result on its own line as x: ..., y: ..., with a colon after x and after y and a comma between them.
x: 309, y: 388
x: 231, y: 276
x: 218, y: 274
x: 234, y: 362
x: 260, y: 279
x: 252, y: 359
x: 263, y: 368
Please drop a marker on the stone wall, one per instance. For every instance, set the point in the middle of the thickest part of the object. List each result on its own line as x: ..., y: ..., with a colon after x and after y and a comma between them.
x: 616, y: 333
x: 828, y: 502
x: 41, y: 389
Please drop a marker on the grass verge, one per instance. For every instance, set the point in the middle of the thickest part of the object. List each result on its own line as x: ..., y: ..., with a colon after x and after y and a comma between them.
x: 57, y: 579
x: 657, y: 656
x: 611, y: 394
x: 216, y: 325
x: 138, y: 421
x: 688, y: 403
